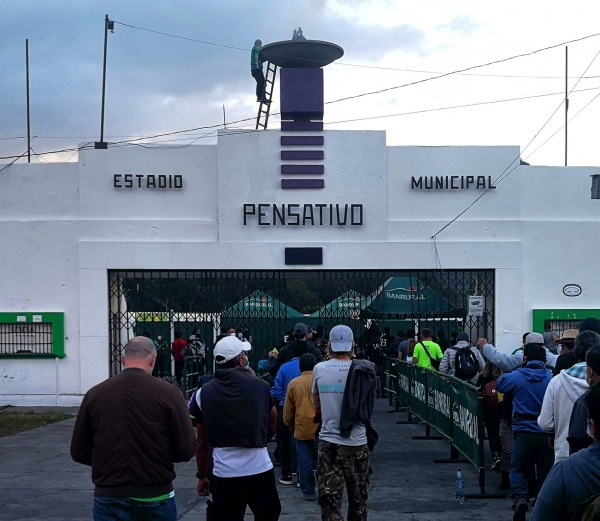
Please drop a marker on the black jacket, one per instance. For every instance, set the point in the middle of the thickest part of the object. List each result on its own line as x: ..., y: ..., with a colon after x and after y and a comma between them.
x: 235, y: 406
x: 359, y: 400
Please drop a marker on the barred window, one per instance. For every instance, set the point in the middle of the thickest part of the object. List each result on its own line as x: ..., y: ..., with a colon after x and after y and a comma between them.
x: 31, y: 334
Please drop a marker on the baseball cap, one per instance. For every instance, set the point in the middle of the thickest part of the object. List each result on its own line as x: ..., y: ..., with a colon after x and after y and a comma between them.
x: 534, y: 338
x: 300, y: 329
x: 227, y: 349
x: 341, y: 338
x: 246, y: 346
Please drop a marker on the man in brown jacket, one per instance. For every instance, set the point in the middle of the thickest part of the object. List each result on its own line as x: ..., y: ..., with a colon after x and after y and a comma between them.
x: 130, y: 429
x: 298, y: 415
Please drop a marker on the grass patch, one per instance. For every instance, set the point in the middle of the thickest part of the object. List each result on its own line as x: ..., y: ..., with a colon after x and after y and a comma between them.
x: 12, y: 422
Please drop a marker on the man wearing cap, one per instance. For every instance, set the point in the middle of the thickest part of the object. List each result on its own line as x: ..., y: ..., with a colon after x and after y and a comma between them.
x: 237, y: 413
x: 300, y: 333
x: 562, y: 392
x: 531, y: 454
x: 343, y: 455
x: 509, y: 362
x: 130, y: 429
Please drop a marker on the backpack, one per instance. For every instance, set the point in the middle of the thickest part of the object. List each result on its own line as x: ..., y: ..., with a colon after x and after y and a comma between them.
x: 465, y: 363
x: 491, y: 397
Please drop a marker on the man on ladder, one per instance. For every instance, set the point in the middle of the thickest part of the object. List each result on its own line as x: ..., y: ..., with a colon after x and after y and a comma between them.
x: 257, y: 72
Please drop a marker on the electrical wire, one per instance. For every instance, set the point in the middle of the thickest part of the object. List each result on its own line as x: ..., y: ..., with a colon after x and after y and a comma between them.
x: 495, y: 62
x: 506, y: 171
x: 12, y: 162
x: 329, y: 102
x: 452, y: 107
x: 563, y: 126
x: 204, y: 42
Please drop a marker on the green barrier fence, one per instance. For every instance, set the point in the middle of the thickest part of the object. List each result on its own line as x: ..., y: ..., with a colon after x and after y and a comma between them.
x: 451, y: 406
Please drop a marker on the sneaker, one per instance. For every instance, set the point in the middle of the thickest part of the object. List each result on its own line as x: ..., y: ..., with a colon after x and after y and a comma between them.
x: 286, y: 480
x: 308, y: 497
x: 496, y: 463
x: 521, y: 507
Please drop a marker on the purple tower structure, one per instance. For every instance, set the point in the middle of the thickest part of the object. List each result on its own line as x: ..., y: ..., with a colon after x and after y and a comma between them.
x: 301, y: 99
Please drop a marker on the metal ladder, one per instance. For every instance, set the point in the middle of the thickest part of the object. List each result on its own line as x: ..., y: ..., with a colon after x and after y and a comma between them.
x: 264, y: 108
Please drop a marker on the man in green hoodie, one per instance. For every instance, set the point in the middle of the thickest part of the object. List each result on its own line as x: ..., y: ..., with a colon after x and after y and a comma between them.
x: 257, y: 71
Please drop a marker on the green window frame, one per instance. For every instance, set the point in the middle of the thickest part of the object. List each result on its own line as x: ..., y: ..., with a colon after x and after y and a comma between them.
x: 32, y: 334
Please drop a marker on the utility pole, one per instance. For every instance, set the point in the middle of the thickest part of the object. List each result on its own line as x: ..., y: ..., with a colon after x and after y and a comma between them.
x: 28, y: 112
x: 566, y: 99
x: 108, y: 25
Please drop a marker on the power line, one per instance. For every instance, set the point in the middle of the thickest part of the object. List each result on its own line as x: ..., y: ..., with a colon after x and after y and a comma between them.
x: 366, y: 118
x: 506, y: 171
x: 329, y: 102
x: 452, y: 107
x: 563, y: 126
x: 416, y: 71
x: 180, y: 37
x: 346, y: 64
x: 495, y: 62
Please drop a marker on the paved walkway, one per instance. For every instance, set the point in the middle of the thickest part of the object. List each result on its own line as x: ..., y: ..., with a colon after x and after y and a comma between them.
x: 39, y: 481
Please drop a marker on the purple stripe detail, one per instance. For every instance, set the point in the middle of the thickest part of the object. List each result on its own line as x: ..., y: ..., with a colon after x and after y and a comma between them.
x: 302, y: 169
x: 287, y: 184
x: 313, y: 126
x: 302, y: 155
x: 289, y: 141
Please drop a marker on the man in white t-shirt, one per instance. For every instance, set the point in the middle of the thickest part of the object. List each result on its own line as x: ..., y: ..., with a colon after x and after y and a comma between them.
x: 341, y: 459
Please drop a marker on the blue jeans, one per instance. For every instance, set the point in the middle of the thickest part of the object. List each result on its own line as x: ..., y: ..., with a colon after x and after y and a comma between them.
x: 306, y: 450
x: 108, y: 508
x: 531, y: 457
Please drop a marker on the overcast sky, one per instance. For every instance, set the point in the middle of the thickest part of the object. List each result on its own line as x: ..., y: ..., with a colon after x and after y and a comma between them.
x: 161, y: 84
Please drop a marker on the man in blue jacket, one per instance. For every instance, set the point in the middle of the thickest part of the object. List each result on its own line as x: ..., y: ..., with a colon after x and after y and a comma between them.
x: 531, y: 453
x: 287, y: 372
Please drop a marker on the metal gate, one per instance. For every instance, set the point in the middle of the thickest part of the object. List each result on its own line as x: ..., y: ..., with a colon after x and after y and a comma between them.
x: 265, y: 305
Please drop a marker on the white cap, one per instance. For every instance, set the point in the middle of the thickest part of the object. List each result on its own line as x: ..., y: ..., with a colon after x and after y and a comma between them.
x: 341, y: 338
x: 534, y: 338
x: 227, y: 349
x: 246, y: 346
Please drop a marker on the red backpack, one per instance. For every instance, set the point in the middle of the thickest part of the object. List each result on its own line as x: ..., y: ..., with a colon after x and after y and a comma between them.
x: 490, y: 395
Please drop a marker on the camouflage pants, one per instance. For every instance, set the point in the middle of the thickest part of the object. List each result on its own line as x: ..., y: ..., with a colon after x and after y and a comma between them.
x: 339, y: 465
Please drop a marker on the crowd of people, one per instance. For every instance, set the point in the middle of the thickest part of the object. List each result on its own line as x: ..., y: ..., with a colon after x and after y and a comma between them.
x: 317, y: 402
x: 540, y: 405
x: 314, y: 396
